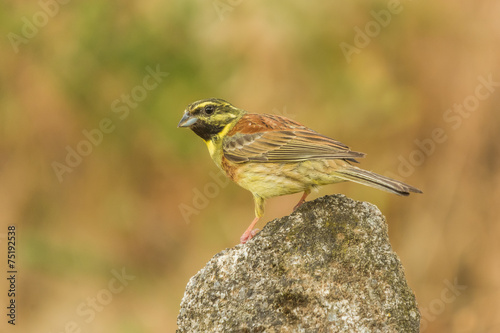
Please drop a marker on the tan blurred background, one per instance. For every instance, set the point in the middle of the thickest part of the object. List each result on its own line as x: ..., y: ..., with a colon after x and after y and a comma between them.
x: 416, y: 74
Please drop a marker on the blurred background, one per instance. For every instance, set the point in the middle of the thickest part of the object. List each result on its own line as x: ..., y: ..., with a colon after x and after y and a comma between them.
x: 116, y: 208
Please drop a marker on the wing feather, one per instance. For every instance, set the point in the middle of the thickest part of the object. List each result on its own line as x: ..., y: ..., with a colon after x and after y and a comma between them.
x: 284, y: 146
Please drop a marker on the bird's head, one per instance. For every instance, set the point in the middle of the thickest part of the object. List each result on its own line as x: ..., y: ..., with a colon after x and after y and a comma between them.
x: 210, y: 117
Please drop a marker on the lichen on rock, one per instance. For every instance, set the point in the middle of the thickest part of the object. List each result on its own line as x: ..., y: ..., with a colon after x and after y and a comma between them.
x: 328, y: 267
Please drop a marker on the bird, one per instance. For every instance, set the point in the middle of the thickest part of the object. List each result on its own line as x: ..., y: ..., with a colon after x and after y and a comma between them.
x: 271, y: 155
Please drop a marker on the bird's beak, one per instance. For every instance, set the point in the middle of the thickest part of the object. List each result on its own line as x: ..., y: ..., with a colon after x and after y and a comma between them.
x: 187, y: 120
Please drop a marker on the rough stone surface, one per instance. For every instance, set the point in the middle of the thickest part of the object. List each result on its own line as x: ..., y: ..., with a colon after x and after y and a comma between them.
x: 328, y: 267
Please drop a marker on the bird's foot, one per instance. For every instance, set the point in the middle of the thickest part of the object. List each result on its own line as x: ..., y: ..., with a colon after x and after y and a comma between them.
x: 298, y: 205
x: 247, y: 235
x: 302, y: 200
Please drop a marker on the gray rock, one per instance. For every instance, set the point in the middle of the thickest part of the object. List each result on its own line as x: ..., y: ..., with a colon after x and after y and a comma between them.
x: 328, y: 267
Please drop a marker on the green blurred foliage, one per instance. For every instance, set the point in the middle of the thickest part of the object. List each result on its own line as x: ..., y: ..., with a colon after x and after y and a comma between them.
x: 121, y: 206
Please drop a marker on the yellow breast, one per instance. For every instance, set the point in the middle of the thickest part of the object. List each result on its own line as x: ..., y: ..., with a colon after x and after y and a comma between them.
x: 214, y: 145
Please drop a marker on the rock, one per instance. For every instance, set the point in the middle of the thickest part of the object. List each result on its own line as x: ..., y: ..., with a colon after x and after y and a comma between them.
x: 328, y: 267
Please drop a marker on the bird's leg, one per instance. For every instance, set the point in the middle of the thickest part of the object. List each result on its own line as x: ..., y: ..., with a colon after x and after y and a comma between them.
x: 259, y: 211
x: 302, y: 200
x: 249, y: 233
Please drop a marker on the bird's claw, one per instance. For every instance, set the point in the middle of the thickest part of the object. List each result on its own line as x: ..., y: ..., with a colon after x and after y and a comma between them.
x: 298, y: 205
x: 248, y: 235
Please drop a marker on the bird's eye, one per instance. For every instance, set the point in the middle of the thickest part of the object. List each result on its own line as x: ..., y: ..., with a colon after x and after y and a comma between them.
x: 209, y: 109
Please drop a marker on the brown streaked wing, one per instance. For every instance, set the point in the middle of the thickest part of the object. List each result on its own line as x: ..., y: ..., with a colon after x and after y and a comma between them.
x: 286, y: 146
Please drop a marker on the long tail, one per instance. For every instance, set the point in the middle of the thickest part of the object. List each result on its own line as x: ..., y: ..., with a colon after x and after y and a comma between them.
x: 375, y: 180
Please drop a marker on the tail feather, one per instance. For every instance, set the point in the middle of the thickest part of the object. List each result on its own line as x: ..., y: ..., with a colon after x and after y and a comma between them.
x: 375, y: 180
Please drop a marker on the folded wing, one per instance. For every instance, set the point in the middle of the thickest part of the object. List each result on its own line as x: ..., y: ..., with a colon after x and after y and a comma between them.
x: 285, y: 146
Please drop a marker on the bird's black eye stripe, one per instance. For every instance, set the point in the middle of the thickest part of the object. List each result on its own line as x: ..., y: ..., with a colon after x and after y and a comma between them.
x: 209, y: 109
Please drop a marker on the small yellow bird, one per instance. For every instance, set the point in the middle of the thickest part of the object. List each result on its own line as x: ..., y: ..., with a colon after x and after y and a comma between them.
x: 271, y: 155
